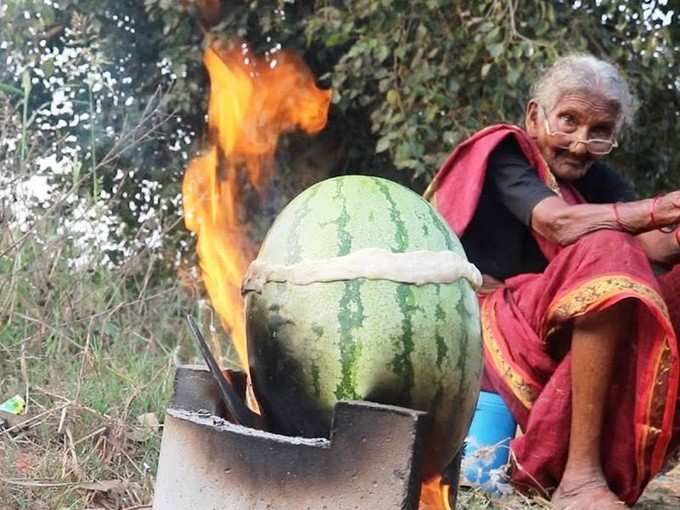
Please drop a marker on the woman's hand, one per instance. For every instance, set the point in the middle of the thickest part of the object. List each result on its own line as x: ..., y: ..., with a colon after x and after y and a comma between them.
x: 564, y: 224
x: 662, y: 247
x: 665, y: 210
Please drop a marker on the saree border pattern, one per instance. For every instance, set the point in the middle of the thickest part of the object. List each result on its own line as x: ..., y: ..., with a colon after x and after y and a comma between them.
x: 654, y: 440
x: 518, y: 382
x: 654, y: 422
x: 593, y: 292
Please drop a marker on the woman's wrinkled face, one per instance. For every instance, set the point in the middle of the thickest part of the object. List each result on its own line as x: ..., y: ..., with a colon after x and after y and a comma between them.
x: 583, y: 116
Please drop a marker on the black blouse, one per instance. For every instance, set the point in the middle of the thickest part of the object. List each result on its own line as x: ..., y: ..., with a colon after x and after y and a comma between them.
x: 498, y: 240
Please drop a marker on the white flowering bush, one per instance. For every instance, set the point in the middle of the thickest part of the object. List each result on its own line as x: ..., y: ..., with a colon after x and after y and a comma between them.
x: 93, y: 145
x: 88, y: 138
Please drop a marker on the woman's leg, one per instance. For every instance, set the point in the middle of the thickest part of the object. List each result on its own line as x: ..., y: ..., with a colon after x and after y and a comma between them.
x: 524, y: 364
x: 596, y: 339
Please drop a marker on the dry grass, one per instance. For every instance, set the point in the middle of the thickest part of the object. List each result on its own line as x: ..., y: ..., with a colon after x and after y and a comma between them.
x: 91, y: 353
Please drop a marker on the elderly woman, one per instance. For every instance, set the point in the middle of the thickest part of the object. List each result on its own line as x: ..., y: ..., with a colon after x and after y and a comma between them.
x: 580, y: 332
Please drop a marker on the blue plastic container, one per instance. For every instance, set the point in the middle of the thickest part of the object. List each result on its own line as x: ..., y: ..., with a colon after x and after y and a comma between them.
x: 488, y: 443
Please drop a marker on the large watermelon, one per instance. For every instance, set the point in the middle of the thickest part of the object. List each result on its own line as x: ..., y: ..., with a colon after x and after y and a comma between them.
x: 385, y: 341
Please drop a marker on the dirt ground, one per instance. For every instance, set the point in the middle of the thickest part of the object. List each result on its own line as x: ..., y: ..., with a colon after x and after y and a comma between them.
x: 663, y: 493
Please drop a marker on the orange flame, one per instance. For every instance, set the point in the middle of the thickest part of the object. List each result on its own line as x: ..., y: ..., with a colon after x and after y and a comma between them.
x: 252, y: 102
x: 434, y: 495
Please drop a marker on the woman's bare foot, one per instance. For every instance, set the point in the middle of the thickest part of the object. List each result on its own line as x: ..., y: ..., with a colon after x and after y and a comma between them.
x: 588, y: 491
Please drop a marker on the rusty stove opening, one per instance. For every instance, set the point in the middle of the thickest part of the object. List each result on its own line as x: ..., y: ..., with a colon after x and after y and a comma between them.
x: 370, y: 461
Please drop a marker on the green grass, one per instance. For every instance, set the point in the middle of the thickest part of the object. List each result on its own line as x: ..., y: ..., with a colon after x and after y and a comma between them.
x: 90, y: 351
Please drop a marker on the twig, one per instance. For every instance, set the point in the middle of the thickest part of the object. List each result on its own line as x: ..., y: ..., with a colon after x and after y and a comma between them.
x: 84, y: 355
x: 24, y: 371
x: 100, y: 430
x: 122, y: 451
x: 98, y: 314
x: 42, y: 390
x: 62, y: 419
x: 52, y: 32
x: 74, y: 456
x: 123, y: 144
x: 147, y: 277
x: 34, y: 418
x: 93, y: 156
x: 152, y: 340
x: 513, y: 28
x: 543, y: 490
x: 58, y: 202
x: 140, y: 389
x: 92, y: 451
x: 47, y: 326
x: 94, y: 412
x: 27, y: 482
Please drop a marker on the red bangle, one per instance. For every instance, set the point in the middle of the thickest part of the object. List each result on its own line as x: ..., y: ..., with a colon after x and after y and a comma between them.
x: 617, y: 218
x: 652, y: 211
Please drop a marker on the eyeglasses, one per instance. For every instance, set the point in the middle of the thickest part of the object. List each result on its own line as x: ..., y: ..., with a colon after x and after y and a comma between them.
x: 596, y: 146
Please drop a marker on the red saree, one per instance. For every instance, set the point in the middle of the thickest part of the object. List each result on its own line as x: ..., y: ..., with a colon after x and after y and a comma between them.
x: 525, y: 325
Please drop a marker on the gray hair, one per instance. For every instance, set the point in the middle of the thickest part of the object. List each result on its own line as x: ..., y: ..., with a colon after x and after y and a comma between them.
x: 583, y: 72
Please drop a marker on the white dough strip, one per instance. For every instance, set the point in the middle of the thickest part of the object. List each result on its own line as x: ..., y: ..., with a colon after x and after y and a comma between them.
x: 416, y: 267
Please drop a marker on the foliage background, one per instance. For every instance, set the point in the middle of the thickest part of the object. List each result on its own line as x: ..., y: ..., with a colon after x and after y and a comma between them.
x: 412, y: 78
x: 102, y: 103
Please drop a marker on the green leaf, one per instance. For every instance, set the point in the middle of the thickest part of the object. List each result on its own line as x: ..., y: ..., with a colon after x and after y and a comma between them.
x: 485, y: 69
x: 496, y: 50
x: 407, y: 163
x: 393, y: 97
x: 493, y: 34
x: 10, y: 89
x: 383, y: 144
x: 451, y: 138
x: 382, y: 53
x: 487, y: 26
x: 454, y: 85
x: 513, y: 75
x: 336, y: 39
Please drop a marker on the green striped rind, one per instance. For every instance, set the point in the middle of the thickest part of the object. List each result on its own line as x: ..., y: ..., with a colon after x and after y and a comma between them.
x: 395, y: 343
x: 355, y: 212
